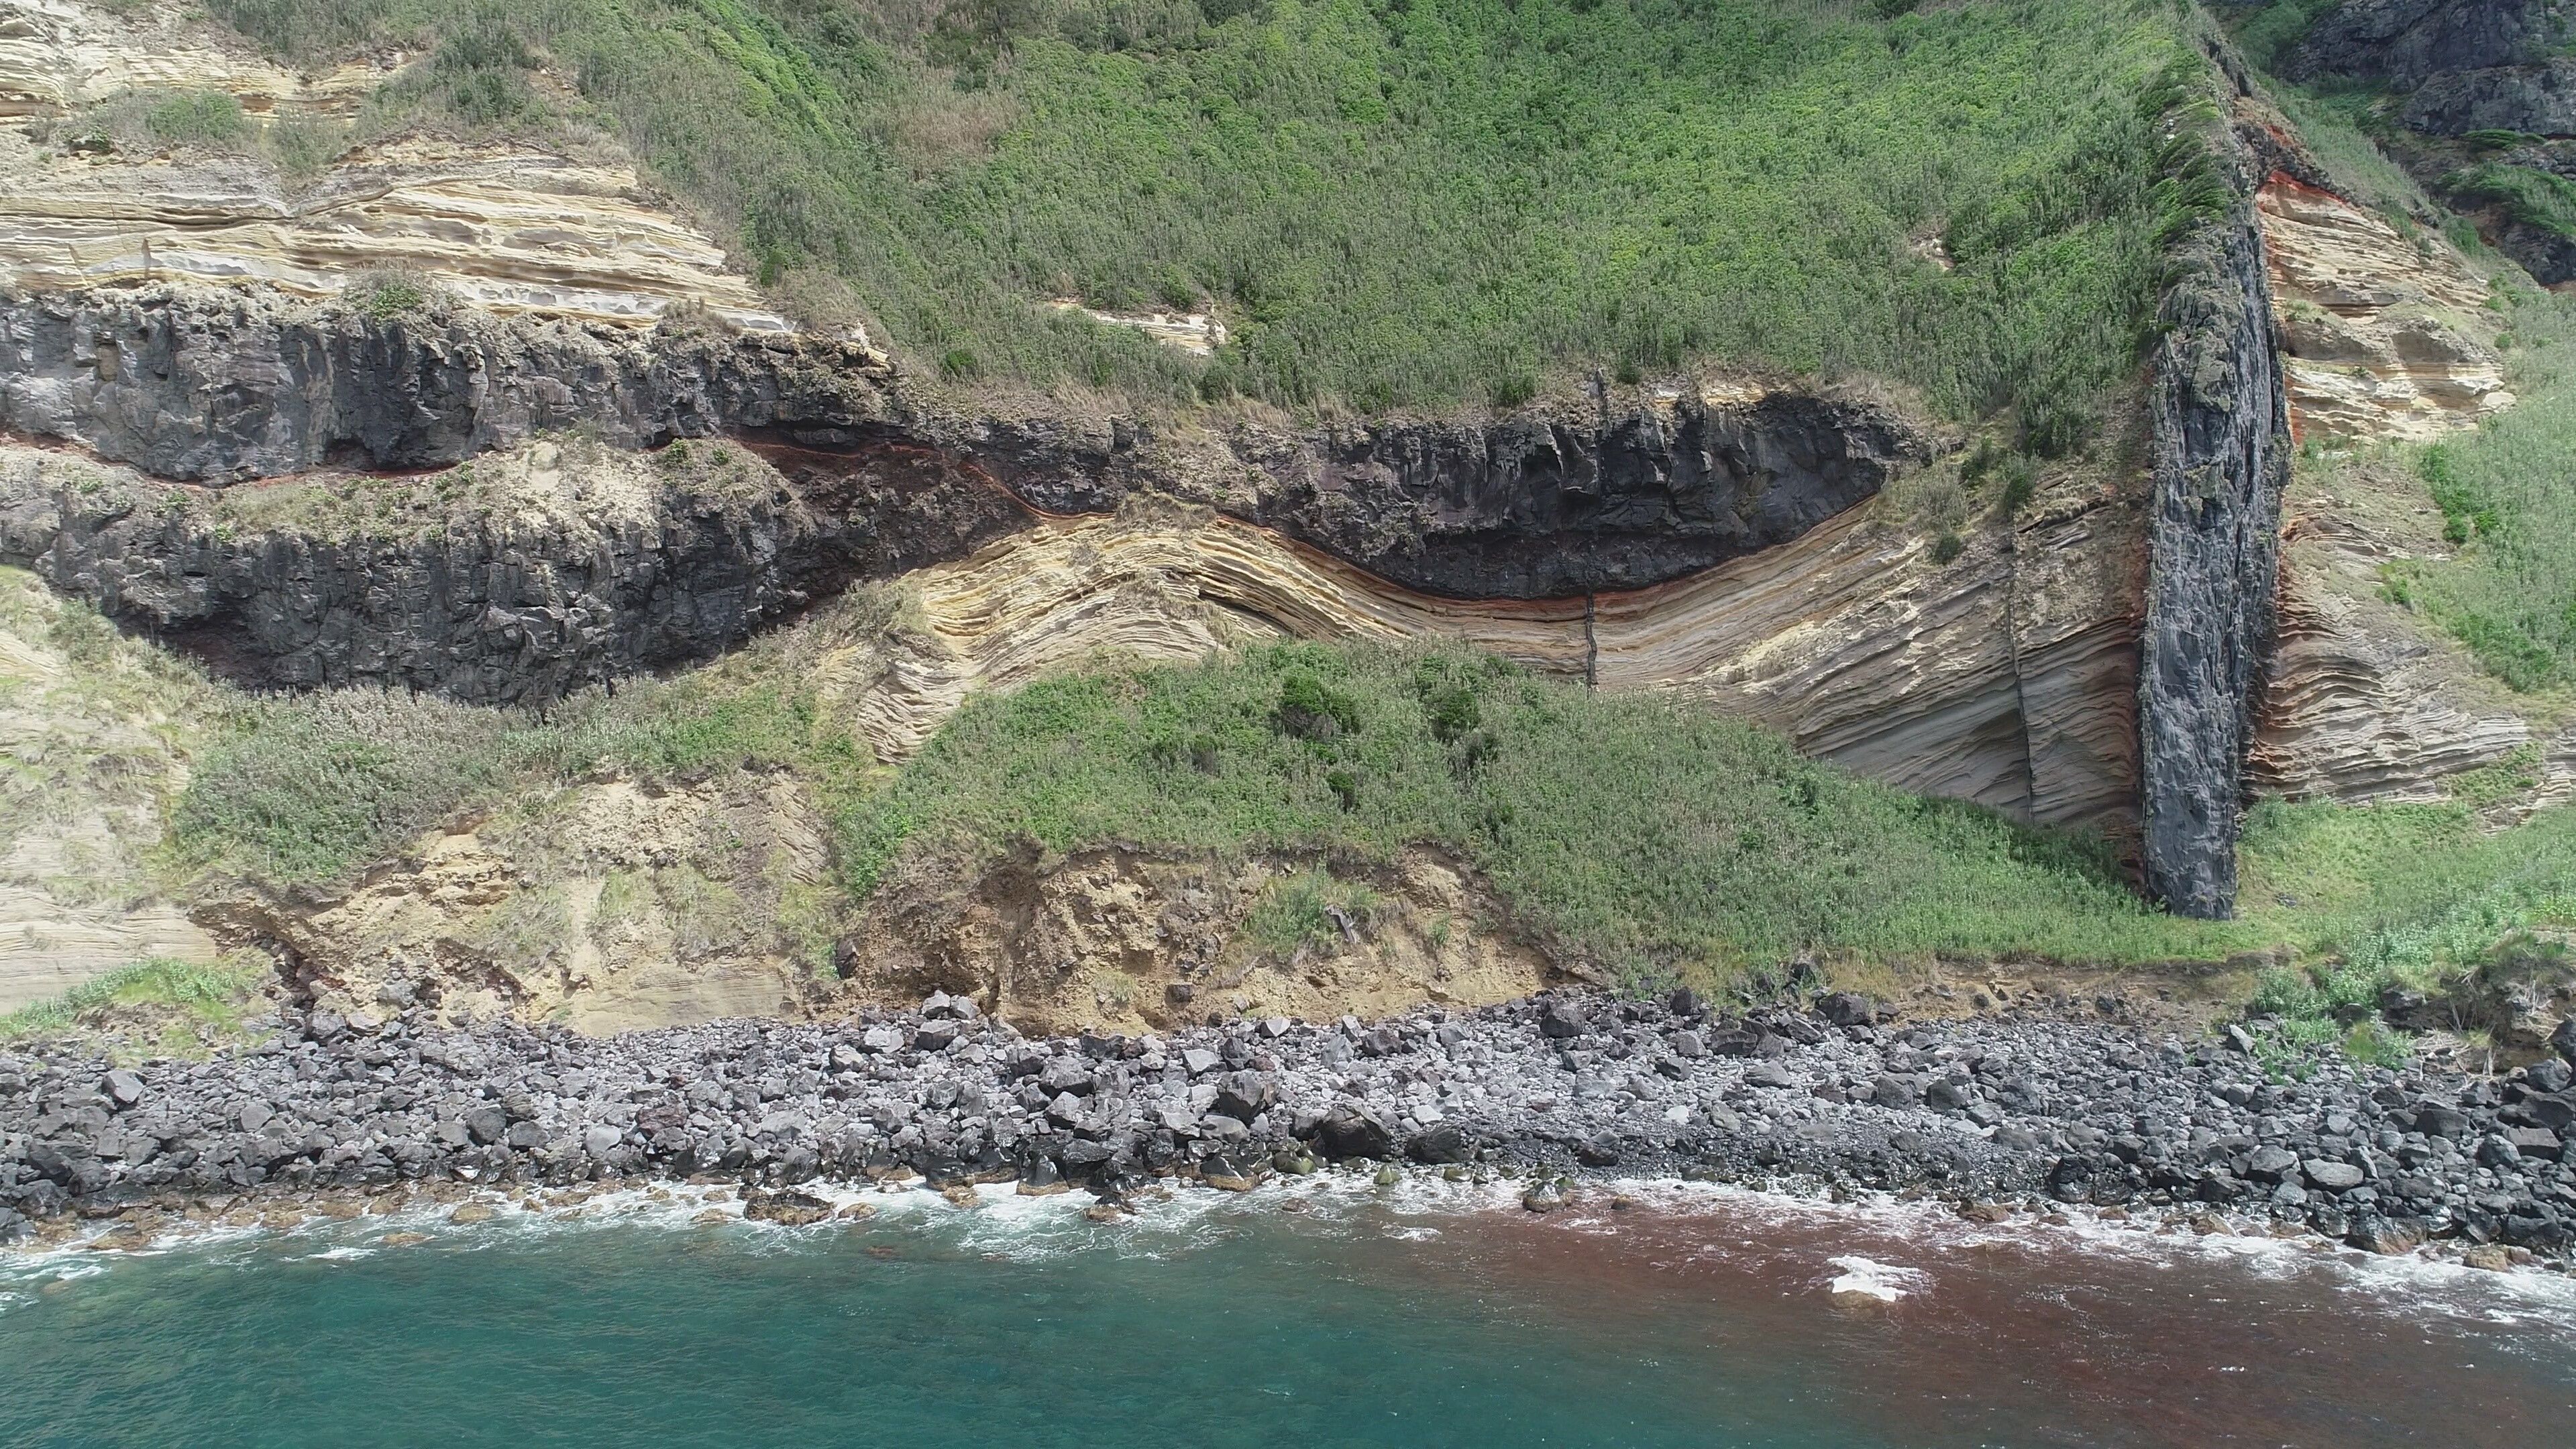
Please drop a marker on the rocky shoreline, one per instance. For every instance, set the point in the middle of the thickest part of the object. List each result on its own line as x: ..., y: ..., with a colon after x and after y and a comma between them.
x: 1992, y: 1114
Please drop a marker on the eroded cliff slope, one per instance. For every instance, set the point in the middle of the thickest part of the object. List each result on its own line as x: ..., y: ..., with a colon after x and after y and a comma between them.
x: 505, y: 426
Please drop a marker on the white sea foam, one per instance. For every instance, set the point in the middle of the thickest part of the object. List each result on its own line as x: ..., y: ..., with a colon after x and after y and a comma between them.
x: 1870, y: 1278
x: 1903, y: 1243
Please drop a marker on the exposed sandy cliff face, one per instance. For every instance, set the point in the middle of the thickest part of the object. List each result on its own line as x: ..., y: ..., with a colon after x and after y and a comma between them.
x: 1117, y: 939
x: 2381, y: 337
x: 95, y: 736
x: 538, y: 480
x: 505, y: 227
x: 607, y: 907
x: 502, y: 227
x: 58, y: 57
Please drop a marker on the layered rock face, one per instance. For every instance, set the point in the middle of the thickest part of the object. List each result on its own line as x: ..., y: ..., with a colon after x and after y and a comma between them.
x: 2379, y: 339
x: 189, y: 384
x: 204, y: 385
x: 505, y: 226
x: 57, y: 56
x: 2383, y: 338
x: 2005, y: 676
x: 2221, y: 458
x: 2361, y: 705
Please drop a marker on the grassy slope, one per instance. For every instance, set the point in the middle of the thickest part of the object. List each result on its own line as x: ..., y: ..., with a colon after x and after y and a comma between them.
x: 1653, y: 838
x: 1392, y: 203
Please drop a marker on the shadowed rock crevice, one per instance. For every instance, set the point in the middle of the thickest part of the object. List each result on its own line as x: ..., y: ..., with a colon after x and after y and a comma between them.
x: 520, y: 602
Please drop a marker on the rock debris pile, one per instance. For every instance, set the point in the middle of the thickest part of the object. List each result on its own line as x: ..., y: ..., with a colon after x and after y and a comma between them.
x: 1981, y: 1111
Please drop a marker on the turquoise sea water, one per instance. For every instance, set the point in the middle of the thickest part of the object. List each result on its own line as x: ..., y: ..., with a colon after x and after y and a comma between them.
x: 1425, y: 1317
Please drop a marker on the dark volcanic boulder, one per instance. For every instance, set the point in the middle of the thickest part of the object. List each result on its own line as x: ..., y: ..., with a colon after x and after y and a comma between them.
x: 1559, y: 1019
x: 1843, y: 1008
x: 1736, y: 1041
x: 787, y: 1209
x: 1246, y: 1095
x: 2377, y: 1234
x: 1351, y: 1130
x: 1438, y: 1143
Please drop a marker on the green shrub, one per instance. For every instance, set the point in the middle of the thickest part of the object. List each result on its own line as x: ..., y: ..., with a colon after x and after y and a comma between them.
x: 1296, y: 911
x: 213, y: 994
x: 304, y: 147
x: 2508, y: 505
x: 384, y: 294
x: 2021, y: 483
x: 2283, y: 992
x: 1309, y: 709
x: 2534, y: 198
x: 207, y: 120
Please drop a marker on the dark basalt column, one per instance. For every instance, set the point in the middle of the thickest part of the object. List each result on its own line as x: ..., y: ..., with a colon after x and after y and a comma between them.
x: 2221, y: 458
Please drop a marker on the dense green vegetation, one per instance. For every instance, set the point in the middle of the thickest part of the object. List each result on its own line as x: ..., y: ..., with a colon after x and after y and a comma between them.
x: 1650, y: 836
x: 311, y: 789
x: 191, y: 994
x: 1390, y: 202
x: 2507, y: 493
x: 2534, y: 198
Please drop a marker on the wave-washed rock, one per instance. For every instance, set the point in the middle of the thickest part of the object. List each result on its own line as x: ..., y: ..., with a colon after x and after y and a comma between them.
x: 2069, y: 1112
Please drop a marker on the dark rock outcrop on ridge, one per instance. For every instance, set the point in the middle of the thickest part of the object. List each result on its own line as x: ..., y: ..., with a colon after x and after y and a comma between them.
x: 502, y: 607
x: 2219, y: 457
x: 2537, y: 100
x: 1548, y: 507
x: 2407, y: 42
x: 2489, y: 68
